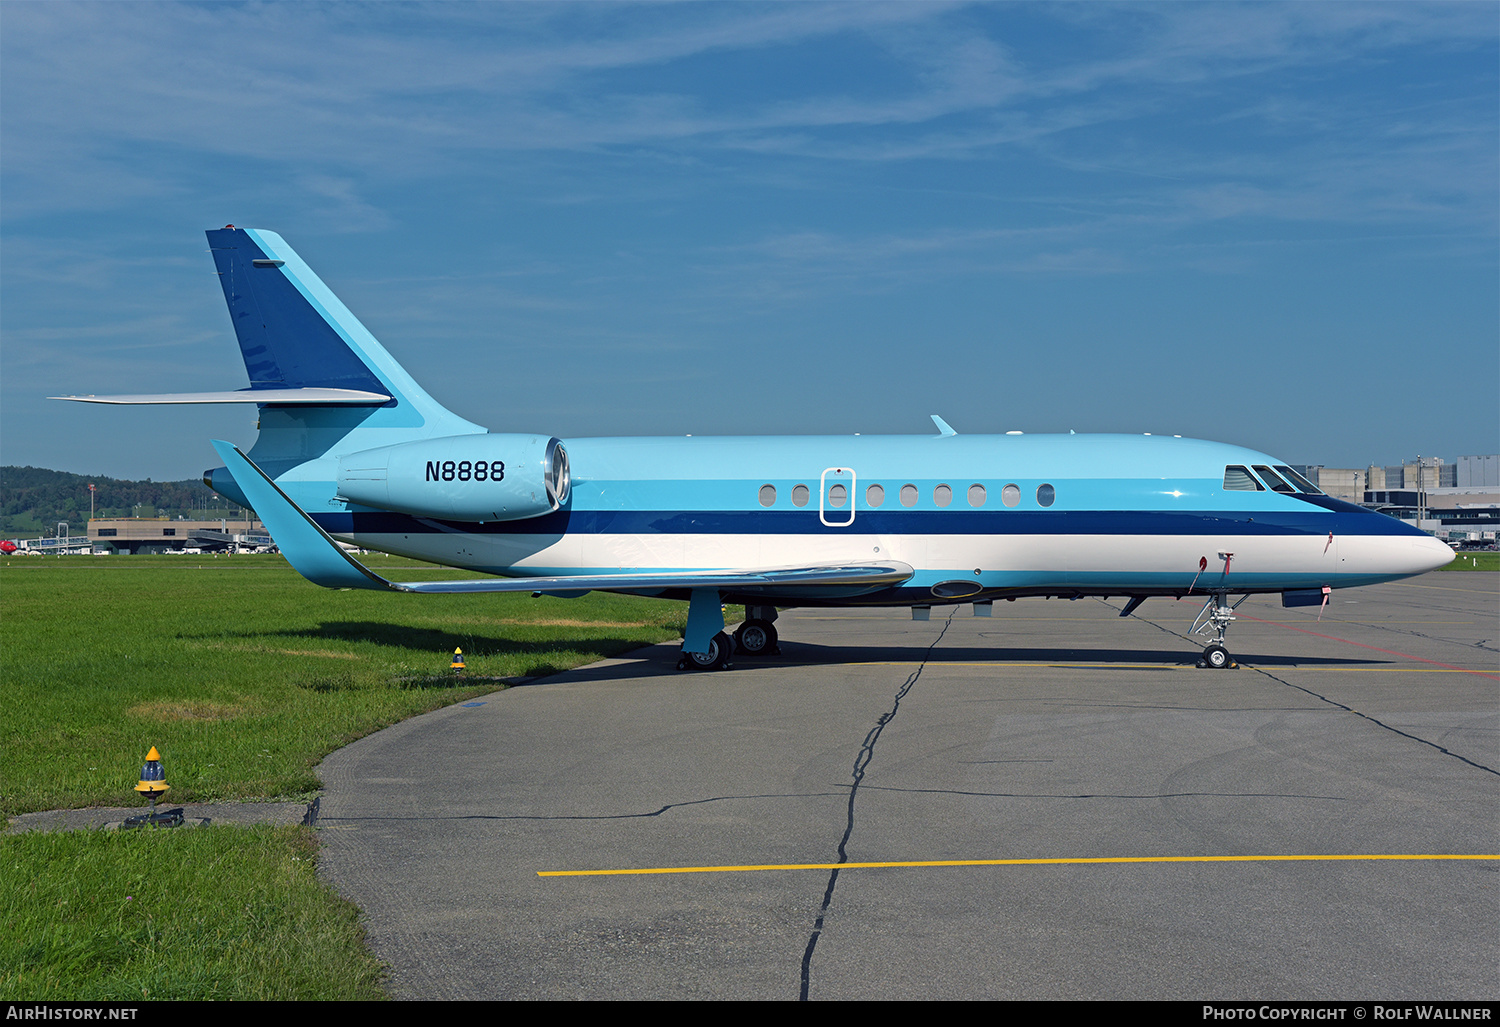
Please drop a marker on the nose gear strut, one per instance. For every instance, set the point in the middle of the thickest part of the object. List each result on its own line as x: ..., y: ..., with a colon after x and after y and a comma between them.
x: 1216, y: 616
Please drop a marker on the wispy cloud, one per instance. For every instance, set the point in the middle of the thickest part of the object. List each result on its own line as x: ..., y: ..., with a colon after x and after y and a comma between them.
x: 285, y: 82
x: 629, y: 180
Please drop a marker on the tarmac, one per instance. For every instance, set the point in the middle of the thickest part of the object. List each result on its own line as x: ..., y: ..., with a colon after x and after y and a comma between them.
x: 1064, y: 807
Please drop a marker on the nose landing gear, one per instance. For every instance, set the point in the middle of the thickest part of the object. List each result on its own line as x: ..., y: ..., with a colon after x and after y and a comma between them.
x: 1217, y: 657
x: 1216, y: 616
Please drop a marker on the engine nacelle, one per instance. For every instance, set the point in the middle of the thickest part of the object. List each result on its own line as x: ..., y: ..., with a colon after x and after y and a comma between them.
x: 461, y: 477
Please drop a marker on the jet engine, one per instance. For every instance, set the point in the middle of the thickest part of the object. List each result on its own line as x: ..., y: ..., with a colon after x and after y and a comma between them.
x: 493, y: 477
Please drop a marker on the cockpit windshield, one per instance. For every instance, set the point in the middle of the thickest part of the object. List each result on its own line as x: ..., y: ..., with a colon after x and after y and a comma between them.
x: 1303, y: 485
x: 1239, y: 479
x: 1272, y: 479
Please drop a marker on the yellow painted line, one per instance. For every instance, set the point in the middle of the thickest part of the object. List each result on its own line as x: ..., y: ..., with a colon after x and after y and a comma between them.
x: 1098, y: 665
x: 1014, y: 863
x: 1393, y: 670
x: 1449, y: 588
x: 935, y: 664
x: 1008, y: 620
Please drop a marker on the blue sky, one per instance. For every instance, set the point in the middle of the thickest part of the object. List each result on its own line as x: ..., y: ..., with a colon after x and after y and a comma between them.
x: 1268, y: 224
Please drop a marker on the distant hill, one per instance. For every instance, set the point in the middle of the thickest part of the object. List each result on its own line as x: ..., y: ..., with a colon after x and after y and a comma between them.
x: 34, y: 499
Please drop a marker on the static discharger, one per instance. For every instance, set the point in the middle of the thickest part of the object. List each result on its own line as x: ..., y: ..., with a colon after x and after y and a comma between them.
x: 153, y: 785
x: 457, y: 666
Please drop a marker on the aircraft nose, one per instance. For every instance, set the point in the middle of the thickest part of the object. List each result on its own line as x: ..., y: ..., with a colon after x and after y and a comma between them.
x: 1431, y: 554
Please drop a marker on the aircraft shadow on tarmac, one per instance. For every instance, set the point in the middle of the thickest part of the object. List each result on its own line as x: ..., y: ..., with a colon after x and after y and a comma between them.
x: 490, y: 642
x: 661, y: 660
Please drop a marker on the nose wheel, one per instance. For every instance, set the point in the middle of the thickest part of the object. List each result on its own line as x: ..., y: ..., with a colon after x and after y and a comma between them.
x: 1217, y: 657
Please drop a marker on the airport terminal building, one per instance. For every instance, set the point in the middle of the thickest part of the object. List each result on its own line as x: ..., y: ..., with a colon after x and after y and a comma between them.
x: 1458, y: 502
x: 158, y: 535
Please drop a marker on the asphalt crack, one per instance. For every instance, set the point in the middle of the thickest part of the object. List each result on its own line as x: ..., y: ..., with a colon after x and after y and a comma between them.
x: 1338, y: 705
x: 645, y: 814
x: 861, y: 763
x: 1377, y: 722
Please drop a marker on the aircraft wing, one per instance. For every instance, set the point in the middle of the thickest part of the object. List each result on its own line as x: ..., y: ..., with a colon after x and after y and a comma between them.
x: 318, y: 558
x: 874, y: 575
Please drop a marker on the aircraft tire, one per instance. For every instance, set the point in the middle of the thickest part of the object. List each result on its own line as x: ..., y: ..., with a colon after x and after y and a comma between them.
x: 1216, y: 656
x: 755, y: 638
x: 717, y: 657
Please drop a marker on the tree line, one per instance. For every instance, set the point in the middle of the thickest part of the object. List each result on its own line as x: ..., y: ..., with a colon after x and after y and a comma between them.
x: 34, y: 499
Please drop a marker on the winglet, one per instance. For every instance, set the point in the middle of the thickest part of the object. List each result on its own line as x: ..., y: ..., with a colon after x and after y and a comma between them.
x: 308, y: 548
x: 942, y: 425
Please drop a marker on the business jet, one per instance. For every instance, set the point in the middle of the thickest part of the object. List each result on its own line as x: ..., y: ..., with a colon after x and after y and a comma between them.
x: 353, y: 453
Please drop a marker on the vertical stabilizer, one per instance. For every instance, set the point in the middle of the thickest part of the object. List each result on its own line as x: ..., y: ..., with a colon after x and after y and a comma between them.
x: 295, y: 333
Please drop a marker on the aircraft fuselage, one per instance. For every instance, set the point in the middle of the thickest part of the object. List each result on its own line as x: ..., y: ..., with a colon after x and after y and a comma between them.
x: 977, y: 517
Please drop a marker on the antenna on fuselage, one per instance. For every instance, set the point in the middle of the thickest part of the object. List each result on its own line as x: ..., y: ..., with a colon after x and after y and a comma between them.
x: 943, y: 428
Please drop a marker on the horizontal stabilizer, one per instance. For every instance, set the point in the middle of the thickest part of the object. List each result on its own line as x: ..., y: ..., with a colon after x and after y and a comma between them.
x: 285, y: 397
x: 318, y: 558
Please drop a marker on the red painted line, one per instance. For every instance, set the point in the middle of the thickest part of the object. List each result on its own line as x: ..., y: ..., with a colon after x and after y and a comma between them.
x: 1388, y: 652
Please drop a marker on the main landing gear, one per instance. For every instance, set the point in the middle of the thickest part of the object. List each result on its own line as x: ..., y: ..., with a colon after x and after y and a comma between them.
x: 755, y: 637
x: 717, y: 657
x: 1216, y: 617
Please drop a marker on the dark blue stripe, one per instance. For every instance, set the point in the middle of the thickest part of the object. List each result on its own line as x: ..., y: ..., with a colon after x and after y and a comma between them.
x: 285, y: 341
x: 1342, y: 519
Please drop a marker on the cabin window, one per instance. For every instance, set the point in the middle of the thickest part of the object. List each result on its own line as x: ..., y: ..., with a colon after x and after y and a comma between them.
x: 1272, y: 479
x: 1010, y: 495
x: 874, y: 495
x: 976, y: 495
x: 1046, y: 495
x: 838, y: 495
x: 1239, y: 479
x: 942, y: 495
x: 799, y: 495
x: 1303, y: 485
x: 768, y: 495
x: 908, y: 495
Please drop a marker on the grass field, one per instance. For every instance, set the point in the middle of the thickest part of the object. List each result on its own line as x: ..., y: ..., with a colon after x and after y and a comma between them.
x: 1474, y: 562
x: 243, y: 676
x: 222, y: 913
